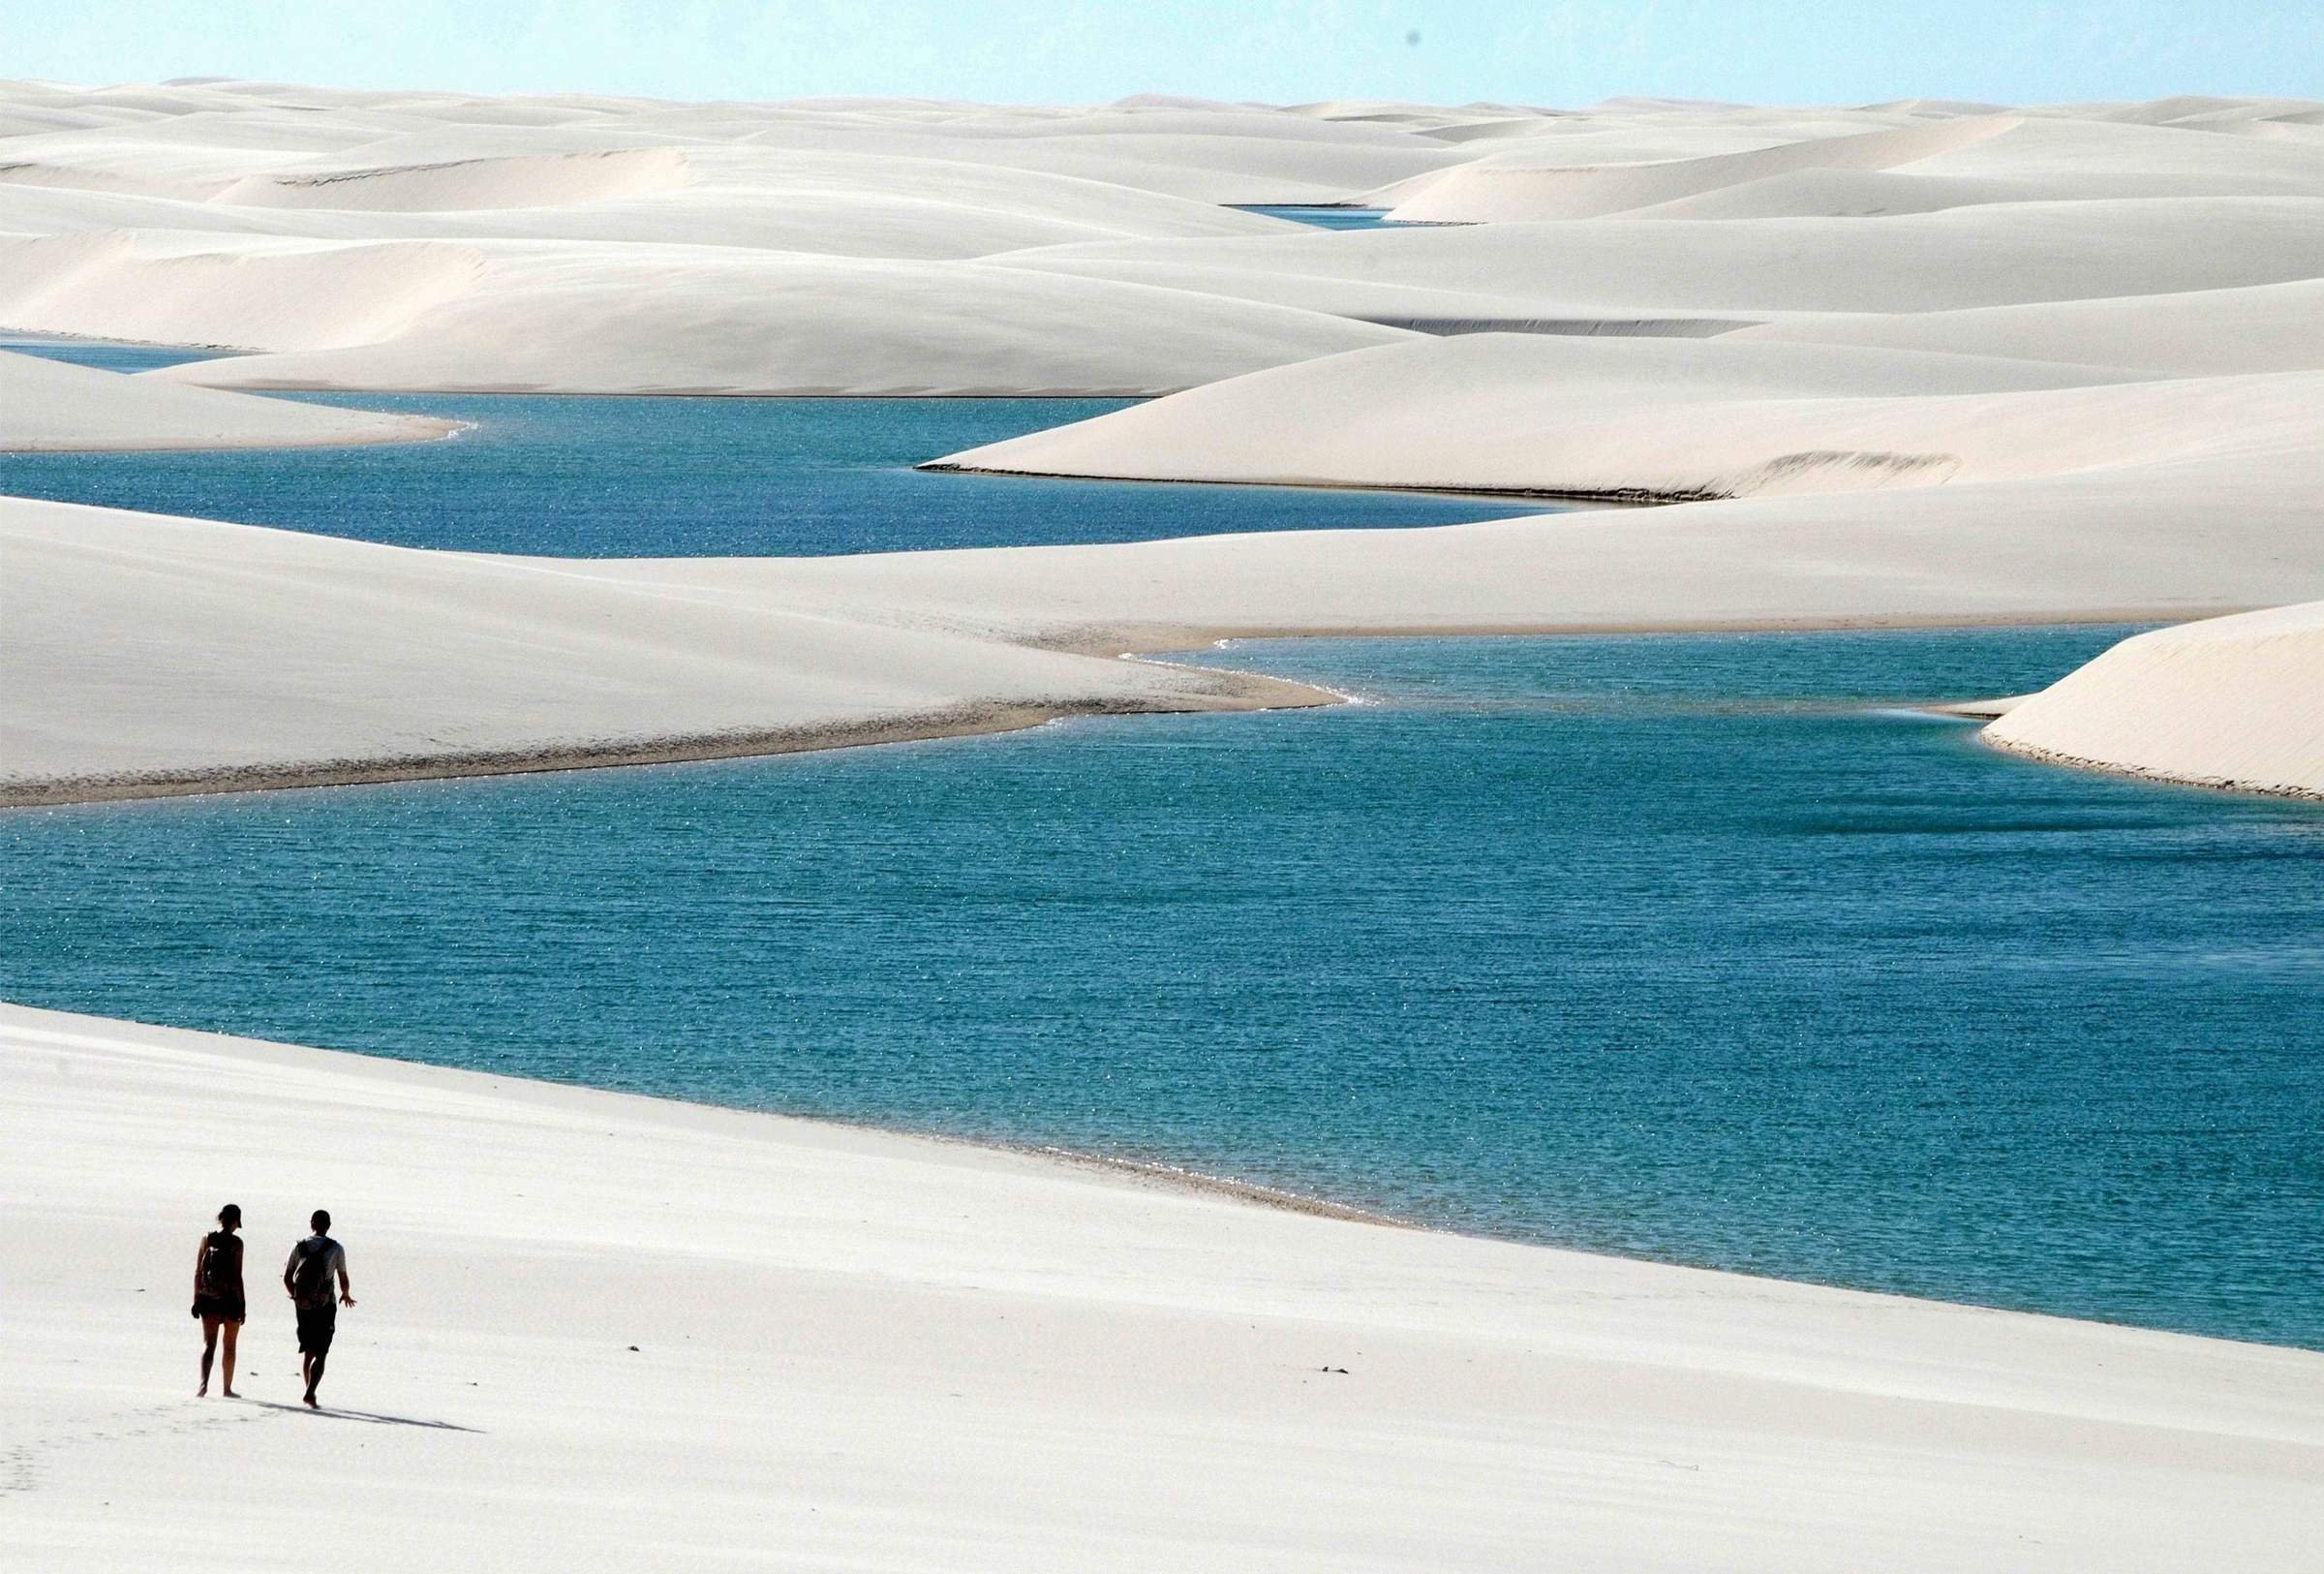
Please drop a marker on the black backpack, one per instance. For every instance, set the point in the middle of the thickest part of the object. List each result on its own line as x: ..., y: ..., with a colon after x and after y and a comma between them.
x: 311, y: 1284
x: 218, y: 1264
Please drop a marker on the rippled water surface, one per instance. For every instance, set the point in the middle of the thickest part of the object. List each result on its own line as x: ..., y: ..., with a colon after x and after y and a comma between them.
x: 1696, y: 947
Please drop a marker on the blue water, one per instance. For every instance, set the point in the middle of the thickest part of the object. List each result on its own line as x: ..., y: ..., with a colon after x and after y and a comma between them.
x: 107, y: 354
x: 1683, y: 947
x: 584, y: 476
x: 1324, y: 218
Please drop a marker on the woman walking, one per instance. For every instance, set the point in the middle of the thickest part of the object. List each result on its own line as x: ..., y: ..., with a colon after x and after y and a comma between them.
x: 217, y: 1294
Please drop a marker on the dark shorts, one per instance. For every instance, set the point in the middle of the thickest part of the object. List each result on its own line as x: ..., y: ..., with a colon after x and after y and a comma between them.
x: 218, y: 1307
x: 316, y: 1326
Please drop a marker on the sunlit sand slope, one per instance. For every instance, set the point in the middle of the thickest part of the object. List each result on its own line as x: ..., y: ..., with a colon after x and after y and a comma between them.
x: 1719, y: 418
x: 771, y: 1343
x: 2235, y: 702
x: 145, y: 653
x: 51, y: 405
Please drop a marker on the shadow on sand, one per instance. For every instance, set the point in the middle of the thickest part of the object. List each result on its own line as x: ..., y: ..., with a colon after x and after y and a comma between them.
x: 329, y: 1413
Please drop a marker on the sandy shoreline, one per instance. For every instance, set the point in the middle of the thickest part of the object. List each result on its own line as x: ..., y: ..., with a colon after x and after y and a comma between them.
x: 59, y: 406
x: 445, y: 431
x: 1634, y: 497
x: 1239, y: 690
x: 1147, y: 1172
x: 2145, y: 773
x: 1261, y: 693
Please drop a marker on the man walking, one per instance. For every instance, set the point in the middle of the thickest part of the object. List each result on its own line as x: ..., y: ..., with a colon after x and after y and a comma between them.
x: 313, y: 1263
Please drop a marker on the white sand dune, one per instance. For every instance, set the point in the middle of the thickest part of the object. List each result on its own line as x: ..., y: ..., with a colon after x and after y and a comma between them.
x: 146, y: 654
x: 549, y: 180
x: 1686, y: 419
x: 2082, y: 385
x: 2198, y: 110
x: 1826, y: 193
x: 1501, y: 191
x: 1722, y: 418
x: 723, y: 320
x: 1953, y: 161
x: 1205, y: 153
x: 1611, y: 268
x: 620, y: 317
x: 1238, y: 154
x: 272, y: 294
x: 2272, y: 327
x: 48, y: 405
x: 840, y: 1348
x: 563, y: 239
x: 616, y: 318
x: 2234, y: 702
x: 2154, y: 541
x: 843, y: 204
x: 262, y: 217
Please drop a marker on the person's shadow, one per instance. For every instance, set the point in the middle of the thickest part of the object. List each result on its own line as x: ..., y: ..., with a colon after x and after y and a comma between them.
x: 330, y: 1415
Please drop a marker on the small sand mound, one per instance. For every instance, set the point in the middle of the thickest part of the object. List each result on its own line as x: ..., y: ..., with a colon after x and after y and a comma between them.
x: 253, y: 294
x: 48, y: 406
x: 1494, y: 192
x: 535, y: 180
x: 2268, y: 327
x: 2232, y: 703
x: 95, y: 179
x: 1821, y: 194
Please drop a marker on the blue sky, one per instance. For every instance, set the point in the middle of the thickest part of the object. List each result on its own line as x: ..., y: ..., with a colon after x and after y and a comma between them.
x: 1538, y: 51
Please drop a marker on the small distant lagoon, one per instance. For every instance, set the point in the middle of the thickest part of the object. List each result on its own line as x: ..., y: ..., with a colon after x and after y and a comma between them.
x: 1324, y: 218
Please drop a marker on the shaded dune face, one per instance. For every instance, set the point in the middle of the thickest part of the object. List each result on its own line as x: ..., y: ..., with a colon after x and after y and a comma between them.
x: 263, y: 296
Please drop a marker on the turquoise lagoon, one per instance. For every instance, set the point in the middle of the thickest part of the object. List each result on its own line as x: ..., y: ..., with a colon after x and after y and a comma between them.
x: 586, y: 476
x: 1705, y: 948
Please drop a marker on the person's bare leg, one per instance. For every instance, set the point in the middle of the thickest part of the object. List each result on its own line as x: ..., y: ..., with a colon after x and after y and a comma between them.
x: 209, y: 1348
x: 314, y: 1379
x: 232, y: 1329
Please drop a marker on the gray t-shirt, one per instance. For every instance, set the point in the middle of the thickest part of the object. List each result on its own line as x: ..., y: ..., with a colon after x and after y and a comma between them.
x: 334, y: 1264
